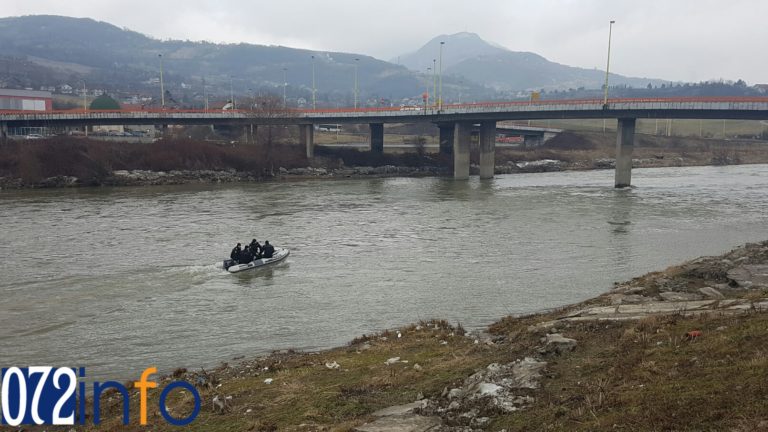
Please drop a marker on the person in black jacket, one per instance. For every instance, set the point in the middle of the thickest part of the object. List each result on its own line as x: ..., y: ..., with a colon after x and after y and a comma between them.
x: 268, y: 250
x: 255, y: 249
x: 235, y: 254
x: 246, y: 256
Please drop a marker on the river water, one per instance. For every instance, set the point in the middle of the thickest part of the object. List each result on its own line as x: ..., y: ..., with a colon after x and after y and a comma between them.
x: 117, y: 279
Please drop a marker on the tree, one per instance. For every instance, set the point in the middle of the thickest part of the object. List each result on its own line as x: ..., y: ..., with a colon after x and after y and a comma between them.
x: 104, y: 102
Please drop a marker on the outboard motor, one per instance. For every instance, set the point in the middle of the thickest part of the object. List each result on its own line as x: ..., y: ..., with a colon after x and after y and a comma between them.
x: 228, y: 263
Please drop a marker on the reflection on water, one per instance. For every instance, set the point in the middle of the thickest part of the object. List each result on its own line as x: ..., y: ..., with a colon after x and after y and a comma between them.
x: 119, y: 278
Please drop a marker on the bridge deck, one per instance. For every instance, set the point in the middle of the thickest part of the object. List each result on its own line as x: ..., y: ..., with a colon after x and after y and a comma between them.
x: 688, y: 108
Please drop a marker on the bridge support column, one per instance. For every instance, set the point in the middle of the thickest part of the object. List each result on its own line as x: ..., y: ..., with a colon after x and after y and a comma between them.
x: 462, y: 136
x: 377, y: 137
x: 487, y: 149
x: 625, y: 144
x: 307, y: 137
x: 446, y: 138
x: 3, y: 130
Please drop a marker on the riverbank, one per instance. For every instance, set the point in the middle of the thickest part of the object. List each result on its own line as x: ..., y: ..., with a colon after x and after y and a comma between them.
x: 74, y: 162
x: 678, y: 349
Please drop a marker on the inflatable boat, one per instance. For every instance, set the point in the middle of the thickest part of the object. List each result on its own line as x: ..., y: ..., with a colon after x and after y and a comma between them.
x: 279, y: 255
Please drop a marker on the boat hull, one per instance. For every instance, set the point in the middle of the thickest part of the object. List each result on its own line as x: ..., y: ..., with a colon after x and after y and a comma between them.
x: 279, y: 255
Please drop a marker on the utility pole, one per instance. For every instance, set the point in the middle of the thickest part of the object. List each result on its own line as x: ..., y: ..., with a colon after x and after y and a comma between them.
x: 162, y: 88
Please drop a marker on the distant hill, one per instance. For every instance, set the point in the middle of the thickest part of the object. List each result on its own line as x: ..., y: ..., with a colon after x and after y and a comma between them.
x: 44, y: 51
x: 55, y: 48
x: 469, y: 56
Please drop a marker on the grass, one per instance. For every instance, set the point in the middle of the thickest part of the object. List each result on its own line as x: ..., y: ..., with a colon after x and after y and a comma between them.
x: 647, y: 376
x: 305, y: 391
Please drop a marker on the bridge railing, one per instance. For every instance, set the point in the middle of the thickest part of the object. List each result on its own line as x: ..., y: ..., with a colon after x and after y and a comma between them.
x: 688, y: 103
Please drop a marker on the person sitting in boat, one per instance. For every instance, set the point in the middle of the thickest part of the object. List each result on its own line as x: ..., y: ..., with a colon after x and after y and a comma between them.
x: 255, y: 249
x: 268, y: 250
x: 235, y: 254
x: 246, y: 256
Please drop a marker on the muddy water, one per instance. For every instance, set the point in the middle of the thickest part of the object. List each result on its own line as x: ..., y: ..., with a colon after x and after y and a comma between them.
x: 118, y: 279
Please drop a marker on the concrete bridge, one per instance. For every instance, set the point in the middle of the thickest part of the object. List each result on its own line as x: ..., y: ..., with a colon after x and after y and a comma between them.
x: 455, y: 122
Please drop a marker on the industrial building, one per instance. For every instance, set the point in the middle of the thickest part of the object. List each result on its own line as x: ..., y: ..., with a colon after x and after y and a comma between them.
x: 25, y: 100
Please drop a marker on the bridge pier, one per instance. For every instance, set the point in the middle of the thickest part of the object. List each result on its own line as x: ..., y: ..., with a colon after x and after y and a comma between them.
x: 446, y: 138
x: 377, y: 137
x: 487, y: 149
x: 462, y: 136
x: 3, y: 130
x: 625, y: 144
x: 307, y: 138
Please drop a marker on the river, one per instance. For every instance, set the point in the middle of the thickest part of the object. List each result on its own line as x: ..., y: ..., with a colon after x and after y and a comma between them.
x: 118, y: 279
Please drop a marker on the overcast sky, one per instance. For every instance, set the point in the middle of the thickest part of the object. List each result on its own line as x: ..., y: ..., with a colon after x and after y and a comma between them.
x: 686, y: 40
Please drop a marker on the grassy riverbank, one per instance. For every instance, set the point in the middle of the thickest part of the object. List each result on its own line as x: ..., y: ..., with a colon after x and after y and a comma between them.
x: 69, y: 161
x: 681, y: 349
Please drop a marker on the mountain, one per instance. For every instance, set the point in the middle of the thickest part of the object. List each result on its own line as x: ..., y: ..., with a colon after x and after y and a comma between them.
x: 469, y: 56
x: 44, y: 50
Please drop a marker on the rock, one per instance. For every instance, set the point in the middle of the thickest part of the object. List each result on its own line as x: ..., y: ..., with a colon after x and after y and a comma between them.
x: 455, y: 393
x: 417, y: 367
x: 488, y: 389
x: 604, y: 163
x: 399, y: 410
x: 617, y: 299
x: 557, y: 344
x: 268, y: 381
x: 332, y: 365
x: 404, y: 423
x: 680, y: 296
x: 747, y: 276
x: 544, y: 165
x: 526, y: 373
x: 392, y: 361
x: 712, y: 293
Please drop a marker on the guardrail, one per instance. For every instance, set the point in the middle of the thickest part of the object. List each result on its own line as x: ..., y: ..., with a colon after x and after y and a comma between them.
x: 690, y: 103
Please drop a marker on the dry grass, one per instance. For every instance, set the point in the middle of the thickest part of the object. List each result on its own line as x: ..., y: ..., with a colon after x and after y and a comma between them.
x: 92, y: 161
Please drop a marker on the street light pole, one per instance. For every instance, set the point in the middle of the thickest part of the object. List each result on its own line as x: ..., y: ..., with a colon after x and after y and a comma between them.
x: 608, y: 64
x: 205, y: 95
x: 314, y: 100
x: 285, y: 84
x: 434, y: 81
x: 429, y: 71
x: 232, y: 92
x: 162, y: 88
x: 356, y: 61
x: 85, y: 101
x: 85, y: 106
x: 440, y: 95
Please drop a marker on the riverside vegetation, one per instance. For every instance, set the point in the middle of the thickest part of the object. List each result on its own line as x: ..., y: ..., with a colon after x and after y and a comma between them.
x: 681, y: 349
x: 68, y: 161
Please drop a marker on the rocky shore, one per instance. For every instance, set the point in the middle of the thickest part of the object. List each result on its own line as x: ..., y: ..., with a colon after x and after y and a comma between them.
x: 175, y: 177
x: 679, y: 349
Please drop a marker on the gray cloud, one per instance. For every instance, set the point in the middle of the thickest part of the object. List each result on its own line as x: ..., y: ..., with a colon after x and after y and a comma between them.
x: 689, y: 40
